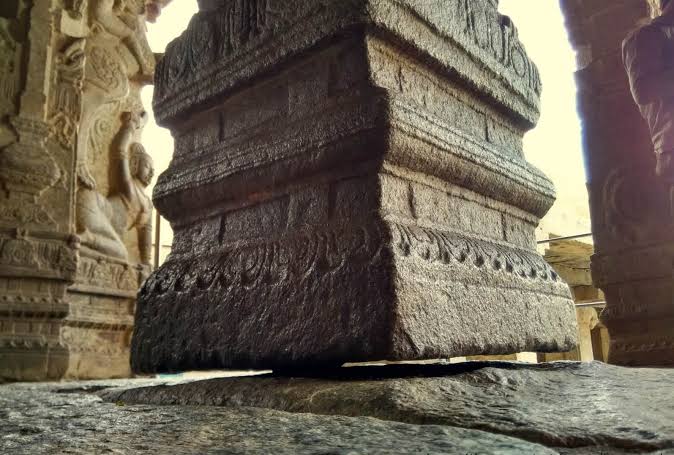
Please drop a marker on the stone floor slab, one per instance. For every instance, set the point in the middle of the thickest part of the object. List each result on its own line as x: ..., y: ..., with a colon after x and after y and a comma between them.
x: 53, y: 419
x: 591, y: 408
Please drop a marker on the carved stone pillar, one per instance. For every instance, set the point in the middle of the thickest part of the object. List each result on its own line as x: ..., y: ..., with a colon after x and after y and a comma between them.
x: 348, y: 184
x: 66, y: 306
x: 634, y: 236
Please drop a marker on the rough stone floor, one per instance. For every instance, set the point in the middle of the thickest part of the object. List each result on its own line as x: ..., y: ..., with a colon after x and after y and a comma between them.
x: 473, y: 408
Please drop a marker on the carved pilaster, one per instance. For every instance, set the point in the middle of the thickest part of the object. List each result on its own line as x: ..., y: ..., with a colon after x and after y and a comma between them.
x: 69, y: 69
x: 634, y: 237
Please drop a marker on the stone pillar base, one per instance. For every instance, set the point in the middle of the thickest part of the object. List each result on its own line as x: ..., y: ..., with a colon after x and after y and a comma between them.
x: 77, y: 327
x: 348, y: 292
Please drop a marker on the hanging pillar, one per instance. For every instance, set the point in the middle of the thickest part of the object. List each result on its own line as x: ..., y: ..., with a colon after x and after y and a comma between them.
x: 348, y: 184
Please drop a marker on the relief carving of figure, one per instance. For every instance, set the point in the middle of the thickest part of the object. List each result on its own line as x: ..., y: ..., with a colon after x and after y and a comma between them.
x: 648, y: 55
x: 78, y: 8
x: 102, y: 223
x: 8, y: 80
x: 116, y: 33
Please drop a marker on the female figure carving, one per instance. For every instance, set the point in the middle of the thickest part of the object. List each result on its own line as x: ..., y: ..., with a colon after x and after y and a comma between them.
x: 102, y: 223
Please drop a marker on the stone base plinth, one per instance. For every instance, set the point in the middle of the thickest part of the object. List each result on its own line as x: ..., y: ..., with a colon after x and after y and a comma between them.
x: 639, y: 288
x: 53, y: 329
x: 374, y: 291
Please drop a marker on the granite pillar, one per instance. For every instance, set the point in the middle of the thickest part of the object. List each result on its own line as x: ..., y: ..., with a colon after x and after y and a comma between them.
x: 348, y: 184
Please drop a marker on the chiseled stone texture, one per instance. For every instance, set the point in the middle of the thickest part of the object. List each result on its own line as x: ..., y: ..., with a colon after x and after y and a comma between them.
x: 573, y: 407
x: 348, y: 184
x: 53, y: 419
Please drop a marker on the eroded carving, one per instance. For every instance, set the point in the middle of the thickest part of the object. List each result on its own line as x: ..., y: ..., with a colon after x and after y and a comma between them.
x: 78, y: 8
x: 108, y: 275
x: 102, y: 223
x: 238, y: 22
x: 25, y: 252
x: 26, y: 169
x: 319, y: 253
x: 497, y: 35
x: 8, y: 66
x: 444, y: 248
x: 66, y: 107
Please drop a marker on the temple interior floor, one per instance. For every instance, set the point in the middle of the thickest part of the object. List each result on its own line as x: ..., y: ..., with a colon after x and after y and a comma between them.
x: 467, y: 408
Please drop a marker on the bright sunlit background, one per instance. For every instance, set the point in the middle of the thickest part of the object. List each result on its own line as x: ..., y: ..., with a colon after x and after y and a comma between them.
x: 554, y: 146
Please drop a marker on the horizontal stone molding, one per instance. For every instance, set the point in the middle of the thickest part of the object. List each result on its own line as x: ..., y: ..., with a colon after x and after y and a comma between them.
x: 390, y: 129
x: 25, y: 256
x: 648, y: 262
x: 303, y: 253
x: 224, y: 47
x: 102, y: 275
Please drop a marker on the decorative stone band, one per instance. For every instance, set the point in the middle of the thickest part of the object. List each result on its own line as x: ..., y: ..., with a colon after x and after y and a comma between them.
x: 11, y: 345
x: 102, y: 275
x: 40, y: 258
x: 444, y: 248
x: 371, y: 290
x: 43, y: 307
x: 647, y: 347
x: 633, y: 265
x: 294, y: 258
x: 63, y: 348
x: 413, y: 138
x: 238, y: 40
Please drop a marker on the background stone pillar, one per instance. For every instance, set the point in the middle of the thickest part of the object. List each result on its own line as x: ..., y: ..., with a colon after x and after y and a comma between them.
x: 633, y: 233
x: 571, y: 261
x: 65, y: 305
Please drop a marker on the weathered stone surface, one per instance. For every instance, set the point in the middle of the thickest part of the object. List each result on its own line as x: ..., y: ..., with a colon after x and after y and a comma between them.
x: 580, y: 406
x: 43, y: 419
x: 348, y: 184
